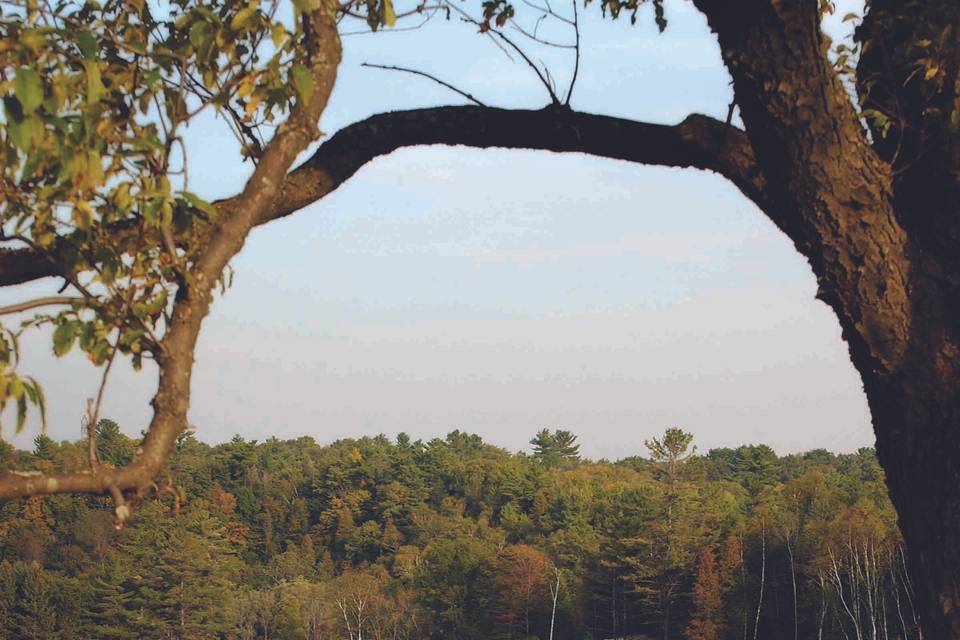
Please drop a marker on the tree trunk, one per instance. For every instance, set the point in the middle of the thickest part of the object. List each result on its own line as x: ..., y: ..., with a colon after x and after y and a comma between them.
x: 793, y: 582
x: 883, y: 245
x: 763, y: 575
x: 555, y: 589
x: 918, y: 429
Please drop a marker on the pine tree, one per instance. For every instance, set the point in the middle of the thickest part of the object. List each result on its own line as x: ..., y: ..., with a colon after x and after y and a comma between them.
x: 554, y: 448
x: 44, y: 448
x: 33, y: 616
x: 108, y: 612
x: 112, y: 446
x: 671, y: 450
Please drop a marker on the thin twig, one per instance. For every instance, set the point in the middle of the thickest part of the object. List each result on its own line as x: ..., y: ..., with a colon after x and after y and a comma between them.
x: 729, y: 122
x: 548, y: 10
x: 530, y: 63
x: 91, y: 435
x: 499, y: 34
x: 429, y: 77
x: 533, y: 36
x: 39, y: 302
x: 576, y: 63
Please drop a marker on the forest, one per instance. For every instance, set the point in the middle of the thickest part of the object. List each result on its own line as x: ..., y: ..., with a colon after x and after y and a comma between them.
x: 454, y: 538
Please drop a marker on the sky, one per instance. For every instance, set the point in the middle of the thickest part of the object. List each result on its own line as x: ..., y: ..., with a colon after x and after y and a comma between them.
x: 501, y: 292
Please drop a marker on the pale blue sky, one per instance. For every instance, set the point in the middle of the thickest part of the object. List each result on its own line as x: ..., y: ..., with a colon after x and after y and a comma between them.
x: 505, y: 291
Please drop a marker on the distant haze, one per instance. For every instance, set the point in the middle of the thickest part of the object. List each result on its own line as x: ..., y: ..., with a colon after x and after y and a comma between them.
x: 502, y: 292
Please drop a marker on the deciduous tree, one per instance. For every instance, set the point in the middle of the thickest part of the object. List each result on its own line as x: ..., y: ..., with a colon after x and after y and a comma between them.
x: 866, y: 188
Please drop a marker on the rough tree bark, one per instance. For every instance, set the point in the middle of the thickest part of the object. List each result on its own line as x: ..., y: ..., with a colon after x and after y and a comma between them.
x: 881, y: 230
x: 876, y: 215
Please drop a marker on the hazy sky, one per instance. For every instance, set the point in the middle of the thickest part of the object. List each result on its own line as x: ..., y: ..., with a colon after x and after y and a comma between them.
x: 500, y: 292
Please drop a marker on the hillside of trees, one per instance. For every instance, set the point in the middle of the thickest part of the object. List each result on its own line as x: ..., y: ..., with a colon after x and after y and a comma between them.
x: 380, y: 539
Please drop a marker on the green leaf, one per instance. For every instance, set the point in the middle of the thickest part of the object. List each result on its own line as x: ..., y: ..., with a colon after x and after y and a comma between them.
x: 21, y: 133
x: 28, y: 88
x: 99, y: 352
x: 21, y: 412
x: 151, y: 212
x: 302, y: 81
x: 64, y: 336
x: 200, y: 204
x: 200, y: 38
x: 41, y: 402
x: 88, y: 44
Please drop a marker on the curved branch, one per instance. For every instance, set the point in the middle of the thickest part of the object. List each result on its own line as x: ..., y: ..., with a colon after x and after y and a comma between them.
x: 699, y: 142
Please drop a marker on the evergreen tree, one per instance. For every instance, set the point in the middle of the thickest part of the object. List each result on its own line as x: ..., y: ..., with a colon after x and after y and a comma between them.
x: 44, y: 448
x: 671, y: 450
x: 107, y: 612
x: 553, y: 448
x: 112, y: 446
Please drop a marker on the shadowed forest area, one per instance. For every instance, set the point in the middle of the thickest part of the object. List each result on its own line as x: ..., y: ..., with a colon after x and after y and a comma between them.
x: 455, y: 538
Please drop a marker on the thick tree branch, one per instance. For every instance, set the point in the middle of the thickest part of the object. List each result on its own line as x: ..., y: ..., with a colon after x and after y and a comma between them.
x: 699, y: 142
x: 18, y: 266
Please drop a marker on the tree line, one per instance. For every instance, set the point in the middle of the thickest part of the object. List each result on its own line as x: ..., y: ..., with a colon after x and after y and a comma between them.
x: 454, y: 538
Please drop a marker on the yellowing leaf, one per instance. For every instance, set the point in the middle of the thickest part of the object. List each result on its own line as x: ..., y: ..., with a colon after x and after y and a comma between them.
x: 94, y: 84
x: 251, y: 107
x: 246, y: 87
x: 82, y: 215
x: 278, y: 33
x: 387, y: 15
x: 242, y: 17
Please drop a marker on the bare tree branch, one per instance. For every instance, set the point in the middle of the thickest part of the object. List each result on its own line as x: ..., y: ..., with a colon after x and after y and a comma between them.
x: 428, y: 76
x: 576, y: 63
x: 536, y: 38
x: 496, y: 33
